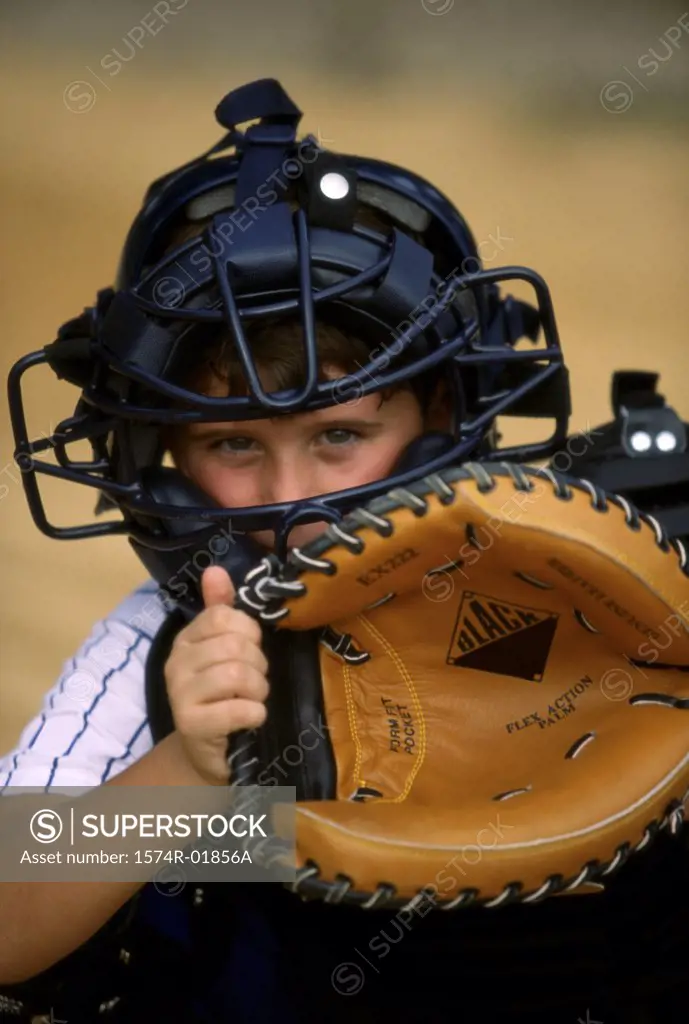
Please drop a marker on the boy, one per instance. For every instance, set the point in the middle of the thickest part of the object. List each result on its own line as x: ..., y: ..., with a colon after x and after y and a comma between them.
x: 333, y: 341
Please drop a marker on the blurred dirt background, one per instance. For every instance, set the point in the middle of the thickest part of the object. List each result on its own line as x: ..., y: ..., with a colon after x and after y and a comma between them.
x: 551, y: 128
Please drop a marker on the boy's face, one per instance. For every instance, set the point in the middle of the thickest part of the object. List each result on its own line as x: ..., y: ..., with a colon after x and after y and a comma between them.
x: 290, y: 458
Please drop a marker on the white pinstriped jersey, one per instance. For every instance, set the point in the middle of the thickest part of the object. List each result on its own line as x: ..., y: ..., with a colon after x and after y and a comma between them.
x: 93, y: 722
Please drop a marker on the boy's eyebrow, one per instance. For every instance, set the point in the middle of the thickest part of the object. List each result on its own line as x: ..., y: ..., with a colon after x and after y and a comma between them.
x: 238, y: 426
x: 354, y: 421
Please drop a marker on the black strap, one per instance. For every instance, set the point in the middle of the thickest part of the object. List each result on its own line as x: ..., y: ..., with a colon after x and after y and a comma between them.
x: 160, y: 718
x: 264, y: 99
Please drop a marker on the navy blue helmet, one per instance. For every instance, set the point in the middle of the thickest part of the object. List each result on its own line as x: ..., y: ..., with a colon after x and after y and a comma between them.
x: 269, y: 225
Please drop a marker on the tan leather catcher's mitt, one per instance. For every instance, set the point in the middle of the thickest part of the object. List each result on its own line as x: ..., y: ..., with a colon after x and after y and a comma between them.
x: 505, y: 688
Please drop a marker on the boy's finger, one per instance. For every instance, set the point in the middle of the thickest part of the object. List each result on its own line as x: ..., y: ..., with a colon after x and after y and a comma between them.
x: 216, y: 587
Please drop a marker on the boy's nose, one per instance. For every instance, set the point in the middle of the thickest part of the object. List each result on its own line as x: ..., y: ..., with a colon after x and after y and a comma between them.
x: 290, y: 483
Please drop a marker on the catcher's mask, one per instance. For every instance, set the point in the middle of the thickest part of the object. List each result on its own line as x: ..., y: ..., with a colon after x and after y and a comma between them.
x: 282, y: 231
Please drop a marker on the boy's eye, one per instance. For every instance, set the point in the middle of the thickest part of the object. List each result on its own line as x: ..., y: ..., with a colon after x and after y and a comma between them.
x: 233, y: 444
x: 340, y: 436
x: 335, y: 437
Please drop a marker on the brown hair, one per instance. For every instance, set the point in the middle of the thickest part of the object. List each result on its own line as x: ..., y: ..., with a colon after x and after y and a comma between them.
x: 277, y: 346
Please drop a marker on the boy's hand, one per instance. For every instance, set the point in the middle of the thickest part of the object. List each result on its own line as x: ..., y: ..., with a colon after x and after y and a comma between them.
x: 216, y: 677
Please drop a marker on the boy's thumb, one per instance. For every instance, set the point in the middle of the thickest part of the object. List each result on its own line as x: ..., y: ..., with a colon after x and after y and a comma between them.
x: 216, y: 587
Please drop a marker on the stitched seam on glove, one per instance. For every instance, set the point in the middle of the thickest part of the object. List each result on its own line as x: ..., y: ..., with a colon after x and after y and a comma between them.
x: 404, y: 672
